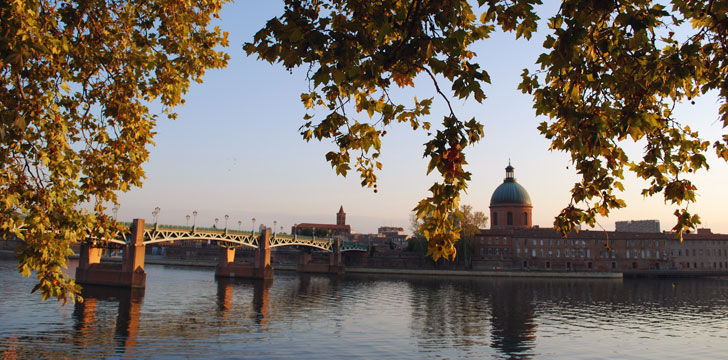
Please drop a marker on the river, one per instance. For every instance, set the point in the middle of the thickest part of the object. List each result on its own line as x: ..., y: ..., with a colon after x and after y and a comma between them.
x: 186, y: 313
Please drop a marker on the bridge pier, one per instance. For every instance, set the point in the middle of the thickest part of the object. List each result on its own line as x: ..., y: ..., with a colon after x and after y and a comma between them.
x: 335, y: 265
x: 260, y: 269
x: 130, y: 273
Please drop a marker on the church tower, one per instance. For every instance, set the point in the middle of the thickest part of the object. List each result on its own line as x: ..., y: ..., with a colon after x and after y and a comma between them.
x: 341, y: 216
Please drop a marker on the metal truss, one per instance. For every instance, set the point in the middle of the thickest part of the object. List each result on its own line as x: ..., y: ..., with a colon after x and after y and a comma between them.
x: 152, y: 236
x: 158, y: 234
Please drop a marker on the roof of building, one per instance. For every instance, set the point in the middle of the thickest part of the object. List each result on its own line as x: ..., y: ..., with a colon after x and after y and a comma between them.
x: 510, y: 192
x: 546, y: 233
x: 322, y: 226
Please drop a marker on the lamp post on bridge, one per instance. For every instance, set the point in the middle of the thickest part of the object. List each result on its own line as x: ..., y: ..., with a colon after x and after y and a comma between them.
x: 253, y: 220
x: 115, y: 209
x: 216, y: 221
x: 226, y: 223
x: 275, y: 223
x: 194, y: 221
x: 240, y: 224
x: 155, y: 215
x: 187, y: 217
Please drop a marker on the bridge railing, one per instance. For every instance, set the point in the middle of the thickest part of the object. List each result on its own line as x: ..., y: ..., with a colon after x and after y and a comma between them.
x: 240, y: 232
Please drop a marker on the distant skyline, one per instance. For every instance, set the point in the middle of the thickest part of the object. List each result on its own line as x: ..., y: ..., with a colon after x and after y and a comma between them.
x: 235, y: 149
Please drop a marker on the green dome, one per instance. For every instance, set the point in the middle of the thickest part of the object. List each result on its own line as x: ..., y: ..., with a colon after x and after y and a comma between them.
x: 510, y: 192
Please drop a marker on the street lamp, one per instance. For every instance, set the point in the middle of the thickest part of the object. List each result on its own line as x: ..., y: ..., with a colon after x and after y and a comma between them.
x: 253, y: 220
x: 188, y: 220
x: 115, y: 209
x: 194, y: 221
x: 240, y: 224
x: 226, y: 220
x: 216, y: 220
x: 275, y: 223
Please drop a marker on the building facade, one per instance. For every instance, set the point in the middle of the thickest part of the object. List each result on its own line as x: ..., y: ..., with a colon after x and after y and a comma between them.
x: 340, y: 229
x: 637, y: 246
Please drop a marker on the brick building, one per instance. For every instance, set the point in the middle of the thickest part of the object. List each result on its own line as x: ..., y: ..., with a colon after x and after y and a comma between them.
x: 516, y: 244
x: 328, y: 230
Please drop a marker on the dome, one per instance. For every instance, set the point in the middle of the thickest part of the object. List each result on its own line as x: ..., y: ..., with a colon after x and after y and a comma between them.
x: 510, y: 192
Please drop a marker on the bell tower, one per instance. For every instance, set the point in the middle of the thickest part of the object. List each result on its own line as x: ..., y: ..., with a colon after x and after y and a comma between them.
x: 341, y: 216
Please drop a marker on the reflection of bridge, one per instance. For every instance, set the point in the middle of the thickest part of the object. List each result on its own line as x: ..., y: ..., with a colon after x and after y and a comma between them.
x: 130, y: 273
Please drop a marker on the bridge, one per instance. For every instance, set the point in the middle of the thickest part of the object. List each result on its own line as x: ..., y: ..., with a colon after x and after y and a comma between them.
x: 130, y: 273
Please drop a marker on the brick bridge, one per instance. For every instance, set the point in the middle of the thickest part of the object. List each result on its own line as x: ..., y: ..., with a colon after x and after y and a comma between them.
x: 130, y: 273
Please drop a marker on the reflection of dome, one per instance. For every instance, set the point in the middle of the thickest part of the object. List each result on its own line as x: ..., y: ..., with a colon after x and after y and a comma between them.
x: 510, y: 192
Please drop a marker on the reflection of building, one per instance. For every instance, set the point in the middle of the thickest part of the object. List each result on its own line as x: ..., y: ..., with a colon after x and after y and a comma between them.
x: 513, y: 243
x: 327, y: 230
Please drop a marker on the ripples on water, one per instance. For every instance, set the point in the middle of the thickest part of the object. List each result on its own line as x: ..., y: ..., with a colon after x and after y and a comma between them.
x: 186, y: 313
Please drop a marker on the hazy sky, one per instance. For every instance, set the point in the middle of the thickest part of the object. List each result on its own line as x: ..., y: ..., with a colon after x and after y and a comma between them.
x: 235, y: 149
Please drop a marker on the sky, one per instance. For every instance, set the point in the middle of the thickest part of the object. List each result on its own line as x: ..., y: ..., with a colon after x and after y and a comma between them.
x: 235, y: 149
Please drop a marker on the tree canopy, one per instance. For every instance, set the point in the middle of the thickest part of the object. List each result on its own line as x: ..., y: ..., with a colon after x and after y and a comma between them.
x: 78, y: 78
x: 612, y: 71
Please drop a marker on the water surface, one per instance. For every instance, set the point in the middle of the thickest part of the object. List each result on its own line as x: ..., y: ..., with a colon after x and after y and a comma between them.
x: 187, y: 313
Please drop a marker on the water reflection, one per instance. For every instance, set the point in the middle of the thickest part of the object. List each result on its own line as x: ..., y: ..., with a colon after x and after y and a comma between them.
x: 260, y: 296
x: 127, y: 319
x: 513, y: 327
x: 187, y: 313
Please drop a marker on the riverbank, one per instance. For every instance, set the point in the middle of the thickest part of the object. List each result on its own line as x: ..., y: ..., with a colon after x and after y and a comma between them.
x: 399, y: 271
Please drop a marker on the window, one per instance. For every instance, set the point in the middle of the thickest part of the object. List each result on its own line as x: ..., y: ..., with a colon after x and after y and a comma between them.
x: 558, y: 253
x: 533, y: 242
x: 551, y: 253
x: 588, y: 253
x: 550, y: 242
x: 509, y: 218
x: 541, y: 242
x: 533, y: 252
x: 614, y: 265
x: 548, y: 265
x: 518, y: 251
x: 525, y: 218
x: 495, y: 218
x: 679, y: 252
